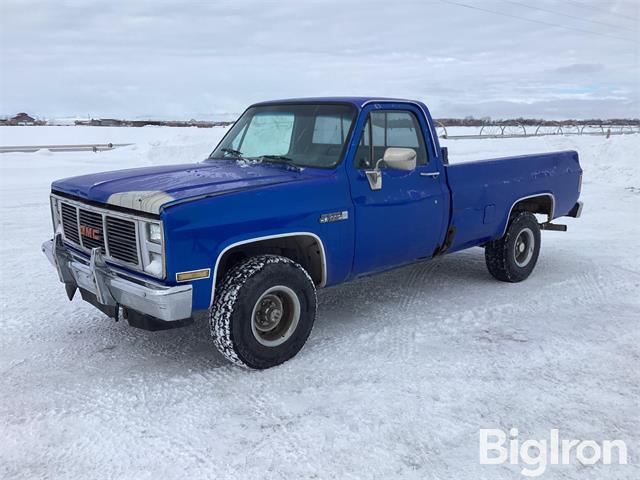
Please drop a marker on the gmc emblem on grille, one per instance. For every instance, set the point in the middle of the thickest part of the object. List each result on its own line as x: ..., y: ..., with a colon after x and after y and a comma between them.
x: 90, y: 232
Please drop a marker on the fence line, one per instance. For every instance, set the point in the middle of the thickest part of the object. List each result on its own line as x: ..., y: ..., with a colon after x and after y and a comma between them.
x: 517, y: 130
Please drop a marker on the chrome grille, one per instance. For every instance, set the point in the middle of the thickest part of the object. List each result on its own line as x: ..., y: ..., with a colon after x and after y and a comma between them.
x: 70, y: 223
x: 121, y: 237
x: 90, y: 227
x: 91, y: 230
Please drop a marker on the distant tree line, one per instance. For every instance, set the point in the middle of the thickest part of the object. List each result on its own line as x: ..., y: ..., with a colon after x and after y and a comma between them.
x: 25, y: 119
x: 113, y: 122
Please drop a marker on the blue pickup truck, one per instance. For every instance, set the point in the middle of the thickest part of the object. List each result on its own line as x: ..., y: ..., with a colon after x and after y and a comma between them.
x: 299, y: 194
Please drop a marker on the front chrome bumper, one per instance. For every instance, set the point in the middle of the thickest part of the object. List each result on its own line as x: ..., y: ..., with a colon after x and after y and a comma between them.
x: 113, y: 290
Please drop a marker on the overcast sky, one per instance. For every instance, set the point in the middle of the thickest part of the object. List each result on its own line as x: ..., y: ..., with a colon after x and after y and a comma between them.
x: 499, y: 58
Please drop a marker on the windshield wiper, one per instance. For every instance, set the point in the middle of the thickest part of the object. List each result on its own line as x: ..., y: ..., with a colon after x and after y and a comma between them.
x: 232, y: 151
x: 276, y: 158
x: 280, y: 159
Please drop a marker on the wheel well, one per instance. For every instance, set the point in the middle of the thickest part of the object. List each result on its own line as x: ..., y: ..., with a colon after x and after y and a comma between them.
x: 306, y: 250
x: 542, y: 204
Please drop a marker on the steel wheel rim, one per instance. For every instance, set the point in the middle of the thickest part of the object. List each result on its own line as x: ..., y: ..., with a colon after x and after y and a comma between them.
x: 275, y: 316
x: 523, y: 247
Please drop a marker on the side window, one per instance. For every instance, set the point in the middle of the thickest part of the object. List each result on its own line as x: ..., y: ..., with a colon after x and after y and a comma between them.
x: 396, y: 129
x: 330, y: 130
x: 267, y: 134
x: 362, y: 159
x: 379, y: 134
x: 402, y: 130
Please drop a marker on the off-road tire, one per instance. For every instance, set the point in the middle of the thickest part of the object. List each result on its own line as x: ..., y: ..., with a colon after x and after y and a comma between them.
x: 500, y: 254
x: 231, y: 316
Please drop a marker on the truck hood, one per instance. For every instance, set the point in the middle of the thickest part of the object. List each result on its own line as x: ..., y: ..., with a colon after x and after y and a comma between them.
x: 149, y: 189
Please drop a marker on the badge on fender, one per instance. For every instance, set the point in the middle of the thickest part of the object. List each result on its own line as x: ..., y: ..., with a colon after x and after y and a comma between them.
x: 334, y: 217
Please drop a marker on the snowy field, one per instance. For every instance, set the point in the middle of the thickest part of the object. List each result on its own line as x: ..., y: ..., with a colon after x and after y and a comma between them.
x: 399, y: 374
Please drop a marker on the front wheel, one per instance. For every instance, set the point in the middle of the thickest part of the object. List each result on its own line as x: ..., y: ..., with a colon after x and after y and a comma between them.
x: 512, y: 257
x: 263, y: 312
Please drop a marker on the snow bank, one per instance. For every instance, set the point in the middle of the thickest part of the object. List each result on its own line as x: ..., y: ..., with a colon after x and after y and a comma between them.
x: 398, y: 376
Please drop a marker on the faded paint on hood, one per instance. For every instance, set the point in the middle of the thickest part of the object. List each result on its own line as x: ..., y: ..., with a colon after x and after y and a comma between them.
x: 148, y: 189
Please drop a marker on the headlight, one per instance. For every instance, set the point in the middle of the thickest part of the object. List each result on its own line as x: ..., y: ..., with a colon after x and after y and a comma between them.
x: 155, y: 267
x: 55, y: 213
x: 152, y: 248
x: 155, y: 233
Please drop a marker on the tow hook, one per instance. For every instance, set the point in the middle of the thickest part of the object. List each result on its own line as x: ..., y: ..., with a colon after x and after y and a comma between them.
x: 553, y: 226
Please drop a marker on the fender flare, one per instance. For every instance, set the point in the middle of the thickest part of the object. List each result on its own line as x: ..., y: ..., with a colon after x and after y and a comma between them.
x: 323, y: 255
x: 541, y: 194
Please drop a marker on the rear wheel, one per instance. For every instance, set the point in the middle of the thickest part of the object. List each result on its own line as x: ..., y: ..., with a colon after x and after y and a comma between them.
x: 263, y: 312
x: 512, y: 257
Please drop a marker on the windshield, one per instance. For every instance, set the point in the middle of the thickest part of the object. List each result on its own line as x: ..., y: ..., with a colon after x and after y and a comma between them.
x: 300, y: 135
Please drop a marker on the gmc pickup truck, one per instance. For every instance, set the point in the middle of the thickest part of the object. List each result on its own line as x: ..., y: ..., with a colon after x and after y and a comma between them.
x: 299, y: 194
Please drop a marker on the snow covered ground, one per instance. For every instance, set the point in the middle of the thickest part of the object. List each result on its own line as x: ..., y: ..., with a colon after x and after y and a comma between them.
x: 399, y: 374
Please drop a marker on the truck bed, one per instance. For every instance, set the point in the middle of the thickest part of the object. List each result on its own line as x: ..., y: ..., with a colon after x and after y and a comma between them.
x: 483, y: 192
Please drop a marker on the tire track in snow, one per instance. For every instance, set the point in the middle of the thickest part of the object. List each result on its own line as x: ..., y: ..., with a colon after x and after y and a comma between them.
x: 420, y: 281
x: 402, y: 338
x: 263, y: 404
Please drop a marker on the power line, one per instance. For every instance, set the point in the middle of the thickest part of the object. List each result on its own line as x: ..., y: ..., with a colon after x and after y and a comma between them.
x: 586, y: 5
x: 582, y: 19
x: 541, y: 22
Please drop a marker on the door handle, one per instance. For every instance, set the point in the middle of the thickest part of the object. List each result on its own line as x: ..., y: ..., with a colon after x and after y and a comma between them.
x: 430, y: 174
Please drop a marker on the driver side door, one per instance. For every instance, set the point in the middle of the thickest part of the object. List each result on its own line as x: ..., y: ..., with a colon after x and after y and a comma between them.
x: 404, y: 220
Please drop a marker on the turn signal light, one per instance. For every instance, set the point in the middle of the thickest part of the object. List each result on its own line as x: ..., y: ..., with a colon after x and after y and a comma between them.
x: 193, y: 275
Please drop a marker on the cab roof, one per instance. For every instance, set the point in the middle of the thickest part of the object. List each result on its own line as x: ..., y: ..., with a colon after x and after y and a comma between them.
x: 357, y: 101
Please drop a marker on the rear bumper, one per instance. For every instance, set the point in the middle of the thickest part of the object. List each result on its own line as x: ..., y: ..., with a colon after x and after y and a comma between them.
x: 576, y: 210
x: 112, y: 289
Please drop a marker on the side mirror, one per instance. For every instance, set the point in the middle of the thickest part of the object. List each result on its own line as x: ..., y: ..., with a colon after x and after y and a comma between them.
x: 395, y: 158
x: 400, y: 158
